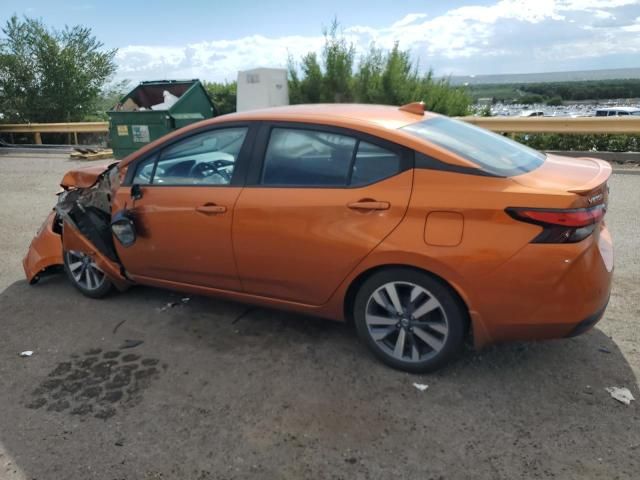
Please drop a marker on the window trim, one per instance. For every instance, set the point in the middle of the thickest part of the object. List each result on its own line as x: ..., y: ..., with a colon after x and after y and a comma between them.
x: 240, y: 168
x: 254, y: 177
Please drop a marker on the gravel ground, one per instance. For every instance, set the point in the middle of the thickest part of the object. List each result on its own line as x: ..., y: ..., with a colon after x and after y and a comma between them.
x: 221, y: 391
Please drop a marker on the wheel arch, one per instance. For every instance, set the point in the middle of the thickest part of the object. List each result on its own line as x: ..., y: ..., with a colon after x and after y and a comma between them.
x: 356, y: 283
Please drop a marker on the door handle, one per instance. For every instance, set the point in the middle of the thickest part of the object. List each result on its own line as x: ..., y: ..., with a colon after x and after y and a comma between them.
x: 369, y: 205
x: 211, y: 209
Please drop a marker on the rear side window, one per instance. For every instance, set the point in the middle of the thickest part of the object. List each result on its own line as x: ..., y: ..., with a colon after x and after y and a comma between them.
x: 373, y: 163
x: 301, y: 157
x: 493, y: 153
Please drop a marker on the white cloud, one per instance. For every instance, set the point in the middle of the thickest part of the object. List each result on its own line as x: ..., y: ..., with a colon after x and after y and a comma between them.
x: 521, y: 33
x: 409, y: 19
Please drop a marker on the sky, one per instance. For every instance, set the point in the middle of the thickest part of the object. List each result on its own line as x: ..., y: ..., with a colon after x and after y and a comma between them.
x: 212, y: 40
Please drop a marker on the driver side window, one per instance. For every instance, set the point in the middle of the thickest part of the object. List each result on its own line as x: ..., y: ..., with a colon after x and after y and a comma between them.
x: 206, y: 158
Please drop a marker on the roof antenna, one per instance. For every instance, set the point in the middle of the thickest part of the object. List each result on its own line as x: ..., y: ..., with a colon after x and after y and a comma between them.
x: 415, y: 107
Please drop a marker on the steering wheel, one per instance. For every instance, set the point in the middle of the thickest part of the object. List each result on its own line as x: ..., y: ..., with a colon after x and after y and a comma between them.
x: 207, y: 169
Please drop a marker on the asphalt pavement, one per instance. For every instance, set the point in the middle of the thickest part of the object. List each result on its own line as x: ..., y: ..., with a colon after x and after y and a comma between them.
x: 218, y: 390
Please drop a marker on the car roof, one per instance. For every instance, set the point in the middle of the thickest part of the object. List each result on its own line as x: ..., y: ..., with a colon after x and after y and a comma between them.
x: 378, y: 120
x: 619, y: 109
x: 389, y: 117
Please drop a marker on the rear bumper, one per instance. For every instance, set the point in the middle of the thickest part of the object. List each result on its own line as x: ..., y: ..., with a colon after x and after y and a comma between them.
x: 545, y: 291
x: 45, y: 250
x: 588, y: 323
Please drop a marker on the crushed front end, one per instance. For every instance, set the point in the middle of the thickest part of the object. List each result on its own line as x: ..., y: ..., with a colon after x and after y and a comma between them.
x: 80, y: 221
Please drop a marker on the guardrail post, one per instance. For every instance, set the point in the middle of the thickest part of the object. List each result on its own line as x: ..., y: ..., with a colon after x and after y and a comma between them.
x: 75, y: 138
x: 38, y: 138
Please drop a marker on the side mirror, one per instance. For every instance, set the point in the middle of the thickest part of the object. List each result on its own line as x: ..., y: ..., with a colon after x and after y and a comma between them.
x: 123, y: 228
x: 136, y: 191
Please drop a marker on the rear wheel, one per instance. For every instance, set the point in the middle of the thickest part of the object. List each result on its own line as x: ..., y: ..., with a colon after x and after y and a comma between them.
x: 409, y: 319
x: 85, y: 275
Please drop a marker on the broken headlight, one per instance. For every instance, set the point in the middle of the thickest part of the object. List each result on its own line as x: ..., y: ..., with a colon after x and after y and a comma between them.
x: 123, y: 228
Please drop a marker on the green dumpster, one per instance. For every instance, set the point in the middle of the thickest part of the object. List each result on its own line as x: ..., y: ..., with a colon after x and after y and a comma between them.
x: 153, y: 109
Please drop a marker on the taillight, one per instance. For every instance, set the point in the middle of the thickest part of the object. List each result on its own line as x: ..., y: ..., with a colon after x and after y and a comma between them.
x: 561, y: 226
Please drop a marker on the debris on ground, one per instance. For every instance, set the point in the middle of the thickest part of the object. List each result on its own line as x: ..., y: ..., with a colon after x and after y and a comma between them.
x: 91, y: 153
x: 421, y: 386
x: 604, y: 350
x: 115, y: 329
x: 26, y: 353
x: 621, y: 394
x: 168, y: 306
x: 130, y: 344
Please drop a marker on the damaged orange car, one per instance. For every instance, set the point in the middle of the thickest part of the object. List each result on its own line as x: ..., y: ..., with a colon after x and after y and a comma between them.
x: 422, y: 229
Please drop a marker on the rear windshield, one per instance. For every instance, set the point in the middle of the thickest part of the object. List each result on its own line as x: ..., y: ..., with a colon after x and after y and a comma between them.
x: 493, y: 153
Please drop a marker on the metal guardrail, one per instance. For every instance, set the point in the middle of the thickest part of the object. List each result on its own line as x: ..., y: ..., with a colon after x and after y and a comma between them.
x: 37, y: 129
x: 496, y: 124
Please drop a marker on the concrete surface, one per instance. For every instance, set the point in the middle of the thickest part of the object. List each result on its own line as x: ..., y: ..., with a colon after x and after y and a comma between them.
x: 220, y: 391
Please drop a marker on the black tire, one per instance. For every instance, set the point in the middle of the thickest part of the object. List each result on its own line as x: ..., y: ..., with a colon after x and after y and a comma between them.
x: 99, y: 288
x: 449, y: 315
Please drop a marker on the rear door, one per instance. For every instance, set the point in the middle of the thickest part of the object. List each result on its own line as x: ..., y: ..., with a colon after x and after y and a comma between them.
x: 183, y: 219
x: 317, y: 201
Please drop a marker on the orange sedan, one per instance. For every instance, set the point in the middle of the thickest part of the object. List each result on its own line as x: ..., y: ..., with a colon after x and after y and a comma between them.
x: 421, y: 229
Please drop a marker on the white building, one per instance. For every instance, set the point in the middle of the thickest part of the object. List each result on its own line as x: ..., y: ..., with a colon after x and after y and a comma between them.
x: 262, y: 88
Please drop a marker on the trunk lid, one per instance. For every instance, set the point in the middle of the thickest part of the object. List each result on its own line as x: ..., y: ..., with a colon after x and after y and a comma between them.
x: 575, y: 175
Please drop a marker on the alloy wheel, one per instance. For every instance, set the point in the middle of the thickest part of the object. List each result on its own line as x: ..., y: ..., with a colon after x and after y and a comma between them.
x: 84, y: 270
x: 406, y: 321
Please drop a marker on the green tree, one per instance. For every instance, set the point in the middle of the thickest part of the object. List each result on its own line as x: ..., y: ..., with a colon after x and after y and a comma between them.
x: 382, y: 77
x: 224, y: 96
x: 555, y: 101
x: 48, y: 75
x: 110, y: 95
x: 338, y: 57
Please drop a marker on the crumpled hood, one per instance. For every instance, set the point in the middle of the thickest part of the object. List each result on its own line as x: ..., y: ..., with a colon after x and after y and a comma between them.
x: 84, y: 177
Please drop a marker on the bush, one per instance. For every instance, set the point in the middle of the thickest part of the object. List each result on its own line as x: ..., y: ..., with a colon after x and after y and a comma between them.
x: 223, y: 95
x: 380, y: 77
x: 567, y: 142
x: 529, y: 99
x: 555, y: 101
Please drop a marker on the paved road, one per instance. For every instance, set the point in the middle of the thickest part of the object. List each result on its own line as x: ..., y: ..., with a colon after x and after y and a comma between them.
x: 220, y: 391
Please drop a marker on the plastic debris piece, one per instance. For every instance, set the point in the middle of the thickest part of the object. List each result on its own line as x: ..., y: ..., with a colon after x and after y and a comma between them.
x: 421, y: 386
x: 26, y: 353
x: 621, y: 394
x: 130, y: 344
x: 604, y: 350
x: 185, y: 299
x: 168, y: 306
x: 169, y: 101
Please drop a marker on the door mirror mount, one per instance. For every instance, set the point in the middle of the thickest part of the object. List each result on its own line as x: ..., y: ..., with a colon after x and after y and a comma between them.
x: 136, y: 191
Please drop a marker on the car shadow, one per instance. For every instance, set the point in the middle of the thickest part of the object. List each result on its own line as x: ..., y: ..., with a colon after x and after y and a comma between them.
x: 154, y: 384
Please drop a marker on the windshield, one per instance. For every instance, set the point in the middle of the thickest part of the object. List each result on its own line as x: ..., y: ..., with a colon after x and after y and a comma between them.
x: 493, y: 153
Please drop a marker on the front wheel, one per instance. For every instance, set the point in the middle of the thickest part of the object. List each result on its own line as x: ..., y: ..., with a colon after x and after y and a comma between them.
x: 409, y: 319
x: 85, y: 275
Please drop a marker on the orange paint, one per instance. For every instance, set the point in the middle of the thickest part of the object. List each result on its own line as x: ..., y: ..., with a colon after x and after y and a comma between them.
x: 303, y: 248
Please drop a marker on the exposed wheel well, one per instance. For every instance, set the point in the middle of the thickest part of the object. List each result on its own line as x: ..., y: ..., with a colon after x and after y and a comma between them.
x: 360, y: 279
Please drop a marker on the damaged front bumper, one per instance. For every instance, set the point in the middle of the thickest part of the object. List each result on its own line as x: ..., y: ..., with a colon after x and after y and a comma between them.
x: 45, y: 250
x: 79, y: 222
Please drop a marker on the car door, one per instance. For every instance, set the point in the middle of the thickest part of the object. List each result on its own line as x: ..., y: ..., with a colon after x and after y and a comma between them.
x: 317, y: 201
x: 183, y: 216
